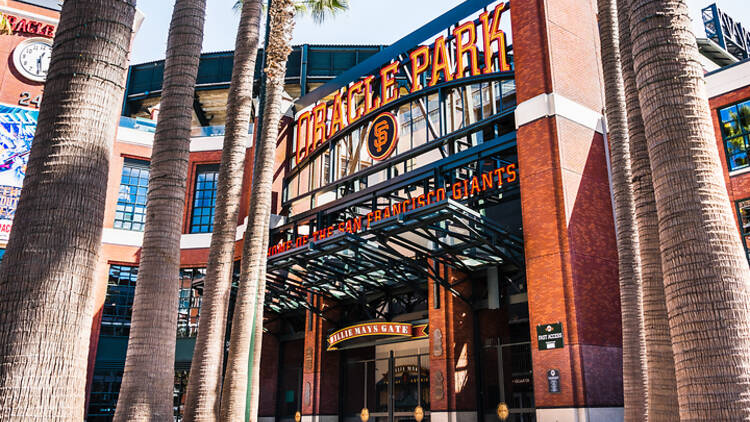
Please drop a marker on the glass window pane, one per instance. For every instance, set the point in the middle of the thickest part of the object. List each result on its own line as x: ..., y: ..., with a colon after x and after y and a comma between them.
x: 132, y: 195
x: 738, y: 161
x: 204, y: 199
x: 744, y: 116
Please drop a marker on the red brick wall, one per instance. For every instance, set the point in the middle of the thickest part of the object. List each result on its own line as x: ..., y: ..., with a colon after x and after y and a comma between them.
x: 739, y: 185
x: 571, y: 261
x: 320, y: 380
x: 453, y: 381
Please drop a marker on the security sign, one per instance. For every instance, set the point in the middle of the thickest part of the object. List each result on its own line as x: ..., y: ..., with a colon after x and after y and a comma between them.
x: 383, y: 136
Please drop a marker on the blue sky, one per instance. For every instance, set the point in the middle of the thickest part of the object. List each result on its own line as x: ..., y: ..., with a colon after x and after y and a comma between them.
x: 367, y: 22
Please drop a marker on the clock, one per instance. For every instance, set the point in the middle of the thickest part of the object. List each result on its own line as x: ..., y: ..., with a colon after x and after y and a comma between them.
x: 31, y: 58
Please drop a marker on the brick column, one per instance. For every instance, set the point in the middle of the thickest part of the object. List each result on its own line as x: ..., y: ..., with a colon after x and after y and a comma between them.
x: 452, y: 376
x: 269, y: 373
x: 320, y: 379
x: 571, y: 256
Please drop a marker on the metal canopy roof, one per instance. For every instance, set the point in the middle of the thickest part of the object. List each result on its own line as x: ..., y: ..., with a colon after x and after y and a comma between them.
x: 392, y: 253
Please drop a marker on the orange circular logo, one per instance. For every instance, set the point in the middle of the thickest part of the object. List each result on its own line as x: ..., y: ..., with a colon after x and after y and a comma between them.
x: 383, y: 136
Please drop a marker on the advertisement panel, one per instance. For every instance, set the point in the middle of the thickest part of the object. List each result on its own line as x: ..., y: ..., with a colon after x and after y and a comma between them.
x: 17, y: 127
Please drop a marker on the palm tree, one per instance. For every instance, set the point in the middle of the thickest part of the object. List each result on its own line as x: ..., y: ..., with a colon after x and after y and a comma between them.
x: 148, y: 379
x: 633, y: 340
x: 204, y: 386
x: 247, y: 323
x: 662, y: 385
x: 706, y: 274
x: 251, y: 292
x: 47, y: 274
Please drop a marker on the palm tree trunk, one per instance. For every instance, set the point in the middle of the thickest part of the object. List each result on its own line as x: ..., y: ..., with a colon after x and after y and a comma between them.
x: 248, y: 315
x: 47, y: 273
x: 662, y: 385
x: 204, y: 385
x: 633, y: 340
x: 148, y: 380
x: 706, y: 274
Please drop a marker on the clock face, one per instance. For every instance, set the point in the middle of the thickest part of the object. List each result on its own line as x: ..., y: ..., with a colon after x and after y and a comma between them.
x: 31, y: 58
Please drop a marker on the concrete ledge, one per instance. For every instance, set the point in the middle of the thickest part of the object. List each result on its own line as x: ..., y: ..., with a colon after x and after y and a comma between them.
x: 122, y: 237
x: 727, y: 79
x: 135, y: 137
x: 550, y: 105
x: 582, y: 414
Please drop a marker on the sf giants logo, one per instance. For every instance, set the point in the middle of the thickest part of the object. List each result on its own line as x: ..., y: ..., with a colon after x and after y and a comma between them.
x: 383, y: 136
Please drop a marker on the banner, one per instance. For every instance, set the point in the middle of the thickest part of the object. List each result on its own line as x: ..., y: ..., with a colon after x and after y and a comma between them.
x: 17, y: 127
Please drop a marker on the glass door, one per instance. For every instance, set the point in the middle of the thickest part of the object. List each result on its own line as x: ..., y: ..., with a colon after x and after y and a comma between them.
x: 389, y: 387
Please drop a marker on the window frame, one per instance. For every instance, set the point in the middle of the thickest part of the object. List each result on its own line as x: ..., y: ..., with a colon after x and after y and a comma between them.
x: 140, y: 164
x: 724, y: 140
x: 198, y: 169
x: 119, y: 323
x: 743, y: 235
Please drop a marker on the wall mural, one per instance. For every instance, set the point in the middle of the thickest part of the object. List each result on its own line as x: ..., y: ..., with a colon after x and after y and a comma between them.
x: 17, y: 127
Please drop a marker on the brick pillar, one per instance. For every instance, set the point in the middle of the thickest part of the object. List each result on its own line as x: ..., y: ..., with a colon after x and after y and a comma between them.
x: 320, y: 379
x: 452, y: 376
x: 571, y: 256
x: 269, y: 373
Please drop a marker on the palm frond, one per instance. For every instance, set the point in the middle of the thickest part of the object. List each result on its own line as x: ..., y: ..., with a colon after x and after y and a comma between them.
x: 320, y: 10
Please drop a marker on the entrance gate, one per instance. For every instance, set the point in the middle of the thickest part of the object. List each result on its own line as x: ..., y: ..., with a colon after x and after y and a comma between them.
x: 508, y: 379
x: 390, y: 384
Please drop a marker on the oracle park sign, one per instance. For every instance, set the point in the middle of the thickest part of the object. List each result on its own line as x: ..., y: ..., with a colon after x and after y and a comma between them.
x: 443, y: 61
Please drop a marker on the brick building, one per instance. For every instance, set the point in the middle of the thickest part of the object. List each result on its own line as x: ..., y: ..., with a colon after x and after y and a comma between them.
x: 442, y: 236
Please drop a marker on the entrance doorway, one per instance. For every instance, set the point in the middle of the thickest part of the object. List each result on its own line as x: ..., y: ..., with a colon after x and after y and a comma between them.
x: 389, y: 380
x: 508, y: 379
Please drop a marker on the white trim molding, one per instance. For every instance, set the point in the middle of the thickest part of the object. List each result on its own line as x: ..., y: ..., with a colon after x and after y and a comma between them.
x: 195, y: 241
x: 135, y: 137
x: 550, y: 105
x: 206, y: 143
x: 739, y: 172
x: 26, y: 14
x: 728, y: 79
x: 122, y: 237
x: 581, y: 414
x: 187, y: 241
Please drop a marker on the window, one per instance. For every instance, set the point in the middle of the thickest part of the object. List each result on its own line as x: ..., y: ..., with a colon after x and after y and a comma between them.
x: 119, y: 302
x: 735, y: 129
x: 105, y: 388
x: 205, y: 199
x: 131, y: 200
x: 191, y: 293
